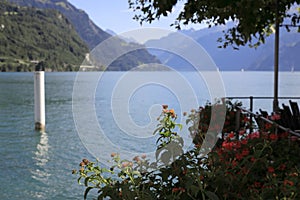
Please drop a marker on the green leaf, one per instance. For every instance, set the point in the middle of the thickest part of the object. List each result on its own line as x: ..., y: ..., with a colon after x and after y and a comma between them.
x: 86, y: 192
x: 194, y: 189
x: 106, y: 170
x: 136, y: 173
x: 179, y: 126
x: 187, y: 121
x: 211, y: 195
x: 86, y: 181
x: 159, y: 129
x: 78, y: 180
x: 158, y: 139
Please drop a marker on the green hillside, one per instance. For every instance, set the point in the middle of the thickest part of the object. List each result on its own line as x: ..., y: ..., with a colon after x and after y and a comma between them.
x: 92, y: 35
x: 29, y: 36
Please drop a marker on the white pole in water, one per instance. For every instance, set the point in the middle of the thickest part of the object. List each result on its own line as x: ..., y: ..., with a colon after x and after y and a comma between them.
x: 39, y: 100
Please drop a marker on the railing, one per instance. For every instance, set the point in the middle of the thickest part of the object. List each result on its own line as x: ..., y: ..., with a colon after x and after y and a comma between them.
x: 252, y: 98
x: 252, y: 114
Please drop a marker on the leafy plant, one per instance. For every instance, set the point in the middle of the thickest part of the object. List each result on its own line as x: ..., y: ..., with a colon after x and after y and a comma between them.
x: 258, y: 165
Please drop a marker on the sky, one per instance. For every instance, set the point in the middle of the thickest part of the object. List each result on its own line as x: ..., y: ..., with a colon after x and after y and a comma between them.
x: 116, y: 16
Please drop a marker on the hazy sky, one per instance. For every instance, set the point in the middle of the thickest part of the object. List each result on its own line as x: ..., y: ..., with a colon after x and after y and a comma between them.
x: 115, y: 15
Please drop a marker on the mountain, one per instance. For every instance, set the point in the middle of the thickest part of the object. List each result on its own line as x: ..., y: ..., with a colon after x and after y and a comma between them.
x: 229, y: 59
x: 87, y: 30
x: 289, y: 49
x: 90, y: 33
x: 29, y: 36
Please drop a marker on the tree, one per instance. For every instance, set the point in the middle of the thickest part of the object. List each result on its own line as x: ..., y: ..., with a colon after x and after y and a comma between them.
x: 253, y: 20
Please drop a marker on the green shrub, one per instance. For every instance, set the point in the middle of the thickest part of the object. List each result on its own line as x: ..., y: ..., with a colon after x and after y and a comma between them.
x: 259, y: 165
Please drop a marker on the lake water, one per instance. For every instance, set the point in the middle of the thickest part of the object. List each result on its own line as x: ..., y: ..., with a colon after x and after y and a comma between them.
x: 38, y: 166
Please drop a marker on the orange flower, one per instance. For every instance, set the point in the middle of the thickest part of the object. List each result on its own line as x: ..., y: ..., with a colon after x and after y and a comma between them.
x: 113, y: 155
x: 85, y: 161
x: 125, y: 164
x: 81, y: 170
x: 144, y: 156
x: 172, y: 112
x: 136, y: 159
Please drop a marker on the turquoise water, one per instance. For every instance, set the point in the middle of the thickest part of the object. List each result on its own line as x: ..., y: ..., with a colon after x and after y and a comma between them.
x: 34, y: 165
x: 38, y: 166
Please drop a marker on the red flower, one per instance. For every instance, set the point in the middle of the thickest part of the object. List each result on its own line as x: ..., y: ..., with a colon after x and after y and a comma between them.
x: 227, y: 145
x: 246, y: 119
x: 178, y: 189
x: 268, y: 126
x: 275, y: 117
x: 242, y: 132
x: 273, y: 136
x: 253, y: 159
x: 254, y: 135
x: 257, y: 184
x: 234, y: 163
x: 237, y: 144
x: 245, y: 152
x: 282, y: 167
x: 284, y: 135
x: 231, y: 135
x: 294, y: 138
x: 244, y: 142
x: 287, y: 182
x: 271, y: 170
x: 239, y: 156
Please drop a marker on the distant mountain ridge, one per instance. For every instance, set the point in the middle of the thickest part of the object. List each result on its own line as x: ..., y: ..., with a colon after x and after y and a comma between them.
x: 90, y: 33
x: 246, y: 58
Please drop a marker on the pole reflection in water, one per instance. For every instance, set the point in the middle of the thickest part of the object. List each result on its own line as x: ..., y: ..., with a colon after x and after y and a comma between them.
x: 41, y: 158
